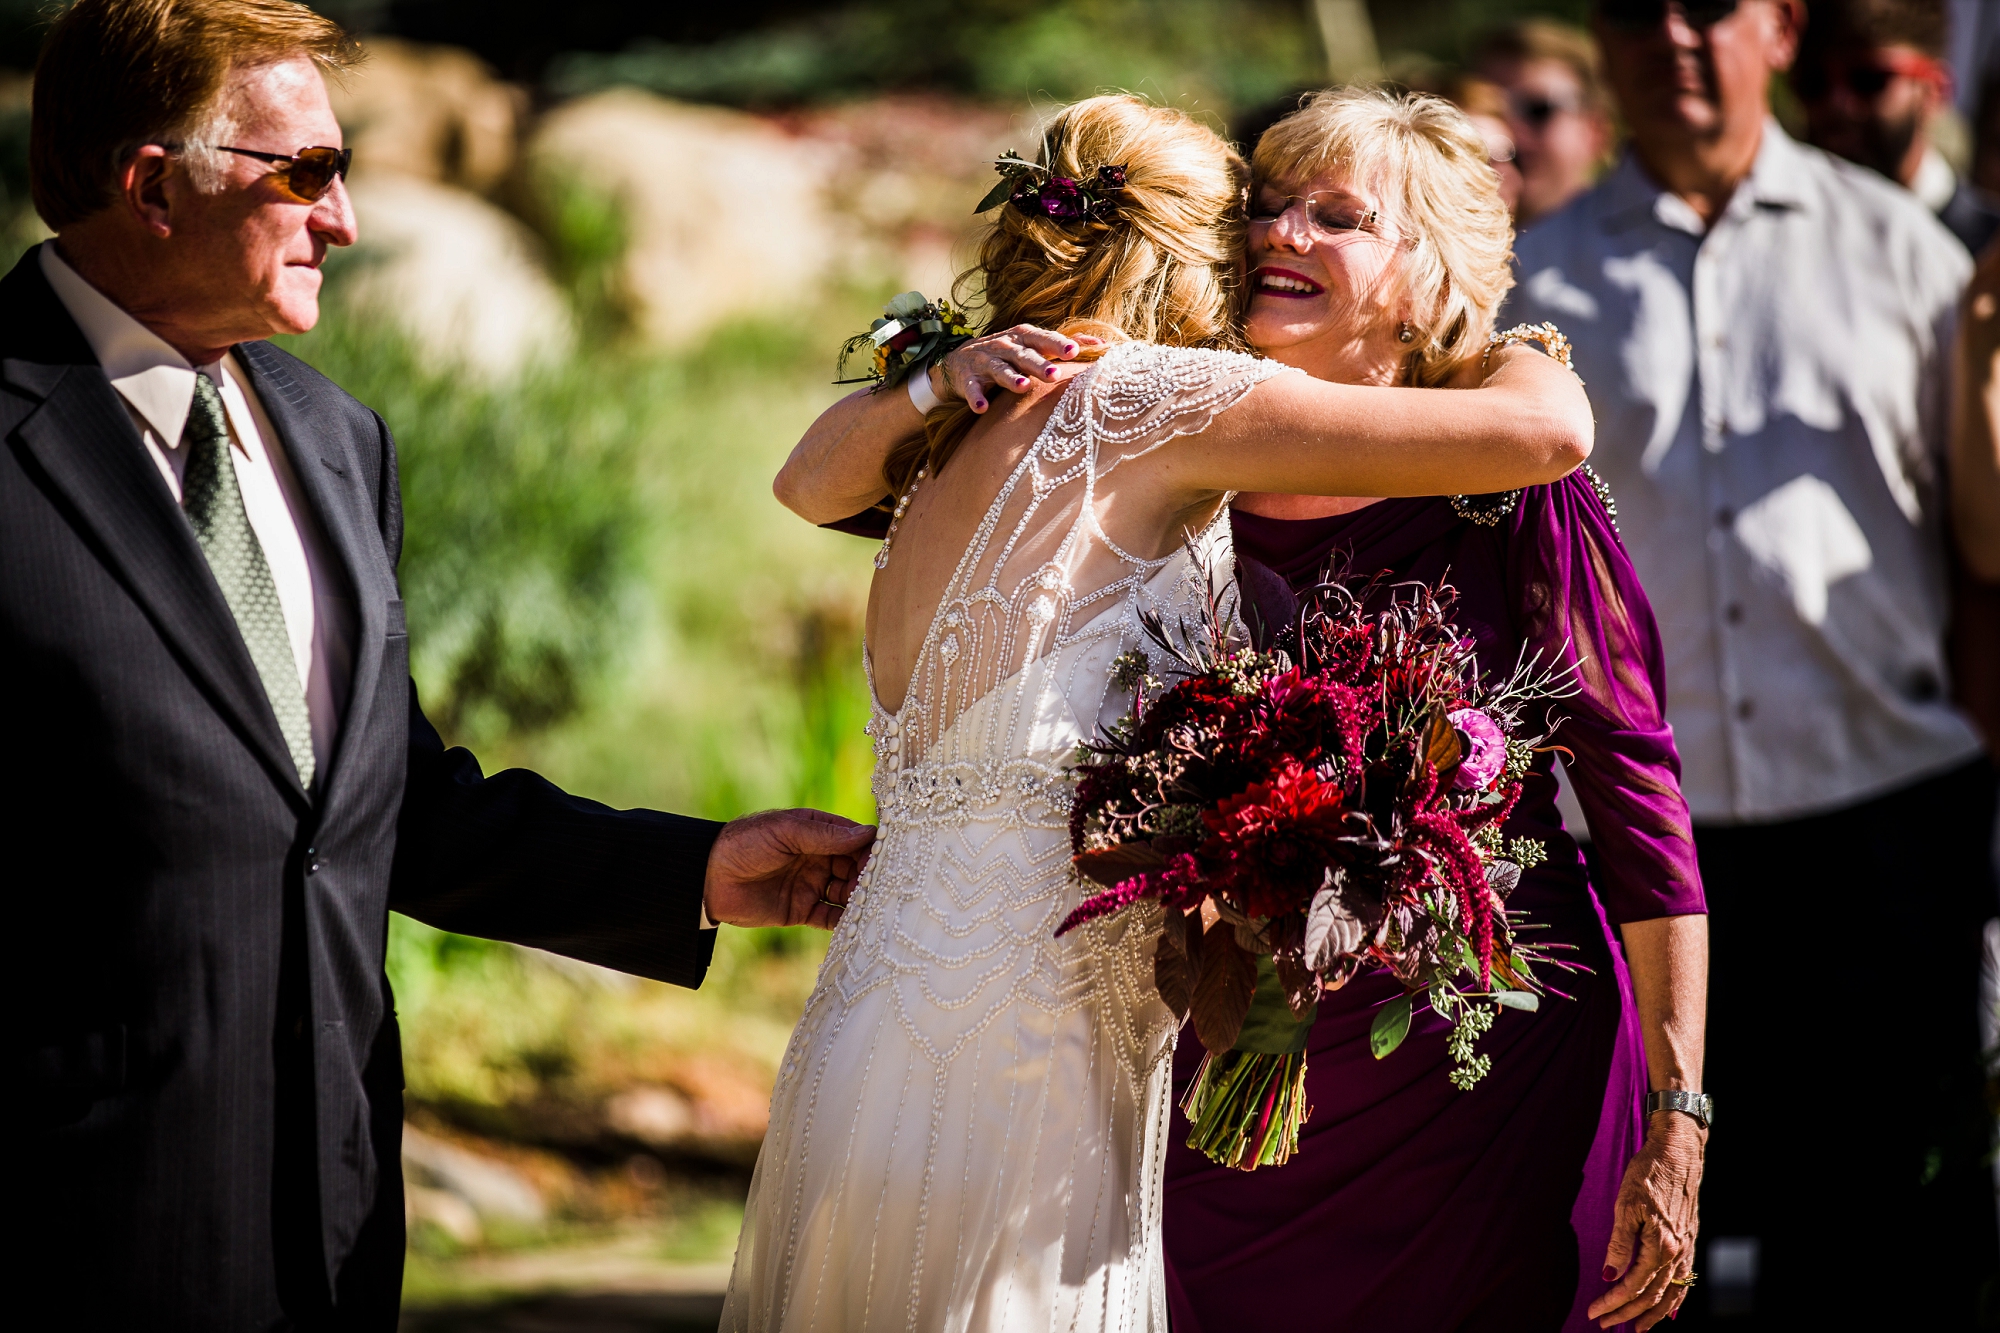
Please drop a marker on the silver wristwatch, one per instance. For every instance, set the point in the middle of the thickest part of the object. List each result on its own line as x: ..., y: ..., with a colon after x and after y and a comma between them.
x: 1697, y: 1104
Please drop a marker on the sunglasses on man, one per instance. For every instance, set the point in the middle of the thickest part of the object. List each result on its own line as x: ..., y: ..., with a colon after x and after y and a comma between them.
x: 1635, y: 15
x: 309, y: 173
x: 1867, y: 78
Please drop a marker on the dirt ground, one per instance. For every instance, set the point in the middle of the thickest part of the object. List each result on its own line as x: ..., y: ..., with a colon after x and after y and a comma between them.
x: 575, y: 1312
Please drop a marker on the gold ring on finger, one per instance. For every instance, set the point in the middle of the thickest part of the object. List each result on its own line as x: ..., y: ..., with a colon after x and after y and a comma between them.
x: 831, y: 903
x: 1687, y: 1281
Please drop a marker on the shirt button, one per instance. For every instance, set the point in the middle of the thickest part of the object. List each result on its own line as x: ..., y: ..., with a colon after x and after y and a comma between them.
x: 1744, y: 708
x: 312, y: 860
x: 1733, y: 613
x: 1725, y: 517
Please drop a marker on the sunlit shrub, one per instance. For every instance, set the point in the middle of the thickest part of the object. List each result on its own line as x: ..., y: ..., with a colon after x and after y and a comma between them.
x: 520, y: 526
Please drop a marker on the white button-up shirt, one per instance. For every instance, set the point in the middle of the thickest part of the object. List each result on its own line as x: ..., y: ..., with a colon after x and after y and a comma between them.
x: 157, y: 385
x: 1771, y: 400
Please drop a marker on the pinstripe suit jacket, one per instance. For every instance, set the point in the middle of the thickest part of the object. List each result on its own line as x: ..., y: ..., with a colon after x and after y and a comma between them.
x: 205, y: 1049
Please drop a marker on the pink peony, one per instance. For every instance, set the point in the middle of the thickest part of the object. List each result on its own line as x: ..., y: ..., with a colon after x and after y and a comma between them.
x: 1485, y: 749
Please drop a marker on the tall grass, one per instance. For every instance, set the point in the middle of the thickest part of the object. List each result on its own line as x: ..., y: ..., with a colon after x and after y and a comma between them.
x: 522, y: 532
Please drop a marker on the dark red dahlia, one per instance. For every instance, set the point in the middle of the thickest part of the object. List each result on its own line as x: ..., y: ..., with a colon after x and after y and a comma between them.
x: 1271, y: 845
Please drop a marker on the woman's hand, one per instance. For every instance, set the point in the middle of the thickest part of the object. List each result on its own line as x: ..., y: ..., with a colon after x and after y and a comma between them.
x: 1653, y: 1231
x: 1013, y: 359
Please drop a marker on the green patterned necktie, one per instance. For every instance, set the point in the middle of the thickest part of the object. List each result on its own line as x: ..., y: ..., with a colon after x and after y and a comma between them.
x: 214, y: 505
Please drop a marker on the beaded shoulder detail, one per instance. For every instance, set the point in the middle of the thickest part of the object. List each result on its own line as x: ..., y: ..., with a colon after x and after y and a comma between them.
x: 1488, y: 510
x: 1485, y: 510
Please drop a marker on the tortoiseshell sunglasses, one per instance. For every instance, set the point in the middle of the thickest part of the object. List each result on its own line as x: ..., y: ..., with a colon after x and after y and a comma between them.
x: 309, y: 173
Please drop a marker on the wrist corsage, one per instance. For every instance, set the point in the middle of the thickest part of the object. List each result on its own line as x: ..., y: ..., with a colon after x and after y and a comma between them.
x: 913, y: 333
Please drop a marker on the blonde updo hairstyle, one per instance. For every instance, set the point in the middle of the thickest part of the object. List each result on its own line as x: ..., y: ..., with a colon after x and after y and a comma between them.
x: 1427, y: 164
x: 1162, y: 265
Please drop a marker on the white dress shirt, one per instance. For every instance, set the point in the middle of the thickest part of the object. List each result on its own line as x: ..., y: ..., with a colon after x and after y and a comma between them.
x: 1771, y: 398
x: 157, y: 384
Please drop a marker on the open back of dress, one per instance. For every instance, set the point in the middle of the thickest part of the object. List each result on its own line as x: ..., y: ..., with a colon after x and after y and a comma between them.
x: 968, y: 1124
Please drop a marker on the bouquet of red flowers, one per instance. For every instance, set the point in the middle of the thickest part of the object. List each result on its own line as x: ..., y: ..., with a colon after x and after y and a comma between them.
x: 1305, y: 812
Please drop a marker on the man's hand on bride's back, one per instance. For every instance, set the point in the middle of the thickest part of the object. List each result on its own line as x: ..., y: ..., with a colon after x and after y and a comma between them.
x: 785, y: 868
x: 1014, y: 359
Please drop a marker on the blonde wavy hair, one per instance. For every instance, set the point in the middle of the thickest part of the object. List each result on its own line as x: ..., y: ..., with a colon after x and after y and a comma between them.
x: 1163, y: 266
x: 1427, y: 164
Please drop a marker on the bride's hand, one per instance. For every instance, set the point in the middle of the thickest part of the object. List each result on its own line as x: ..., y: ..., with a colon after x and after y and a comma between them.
x: 1012, y: 360
x: 1656, y: 1216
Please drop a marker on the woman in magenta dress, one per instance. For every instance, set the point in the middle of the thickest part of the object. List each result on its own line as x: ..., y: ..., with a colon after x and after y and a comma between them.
x: 1367, y: 1226
x: 1545, y: 1198
x: 1411, y: 1205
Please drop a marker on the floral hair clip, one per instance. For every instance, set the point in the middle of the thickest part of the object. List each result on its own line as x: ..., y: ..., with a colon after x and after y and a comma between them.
x: 1032, y: 190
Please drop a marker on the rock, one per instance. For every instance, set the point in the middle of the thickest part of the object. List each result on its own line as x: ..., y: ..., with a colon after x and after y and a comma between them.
x: 431, y: 112
x: 493, y: 1190
x: 731, y: 1105
x: 656, y: 1117
x: 714, y: 1110
x: 431, y: 128
x: 726, y: 215
x: 455, y: 275
x: 442, y: 1209
x: 910, y: 166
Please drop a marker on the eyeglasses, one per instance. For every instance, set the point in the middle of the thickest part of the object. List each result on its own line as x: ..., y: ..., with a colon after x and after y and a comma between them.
x: 1634, y: 15
x: 309, y: 173
x: 1867, y: 78
x: 1536, y: 111
x: 1328, y: 216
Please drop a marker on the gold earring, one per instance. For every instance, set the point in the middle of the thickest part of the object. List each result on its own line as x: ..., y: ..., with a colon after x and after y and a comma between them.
x: 1404, y: 333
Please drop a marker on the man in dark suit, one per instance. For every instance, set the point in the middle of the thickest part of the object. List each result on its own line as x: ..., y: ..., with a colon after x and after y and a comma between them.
x: 218, y: 779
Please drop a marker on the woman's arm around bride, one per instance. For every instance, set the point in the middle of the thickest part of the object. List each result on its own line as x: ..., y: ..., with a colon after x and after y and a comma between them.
x: 1525, y: 424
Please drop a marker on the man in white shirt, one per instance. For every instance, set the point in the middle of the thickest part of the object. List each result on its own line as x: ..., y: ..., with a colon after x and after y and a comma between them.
x: 1765, y: 333
x: 218, y: 778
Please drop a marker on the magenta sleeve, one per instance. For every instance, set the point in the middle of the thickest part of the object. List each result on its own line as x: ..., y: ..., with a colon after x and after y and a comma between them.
x: 1578, y: 603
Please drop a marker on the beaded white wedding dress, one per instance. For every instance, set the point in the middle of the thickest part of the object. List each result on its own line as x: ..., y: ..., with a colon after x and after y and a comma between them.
x: 968, y: 1126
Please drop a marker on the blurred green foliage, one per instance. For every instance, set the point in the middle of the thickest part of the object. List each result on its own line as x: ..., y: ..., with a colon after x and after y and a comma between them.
x: 1447, y: 30
x: 487, y: 1026
x: 1203, y: 54
x: 739, y: 684
x: 585, y: 234
x: 521, y: 530
x: 601, y: 587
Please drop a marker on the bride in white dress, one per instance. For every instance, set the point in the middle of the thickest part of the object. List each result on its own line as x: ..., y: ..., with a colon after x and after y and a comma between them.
x: 968, y: 1124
